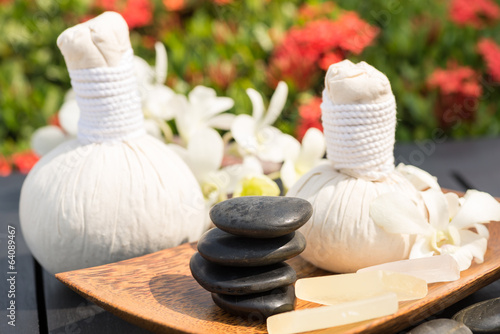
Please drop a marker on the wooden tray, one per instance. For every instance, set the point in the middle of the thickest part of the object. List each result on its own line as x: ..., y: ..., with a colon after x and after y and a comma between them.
x: 157, y: 292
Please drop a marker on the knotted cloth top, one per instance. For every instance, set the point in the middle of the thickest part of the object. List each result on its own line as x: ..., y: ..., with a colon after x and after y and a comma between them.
x: 360, y: 125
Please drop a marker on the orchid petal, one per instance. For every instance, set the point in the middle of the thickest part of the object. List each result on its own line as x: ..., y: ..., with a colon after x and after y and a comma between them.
x: 276, y: 104
x: 473, y: 247
x: 144, y: 73
x: 479, y: 207
x: 217, y: 105
x: 214, y: 187
x: 68, y: 117
x: 152, y: 129
x: 257, y: 104
x: 313, y: 148
x: 205, y: 99
x: 288, y: 174
x: 291, y: 148
x: 199, y: 95
x: 158, y: 104
x: 250, y: 166
x: 482, y: 230
x: 183, y: 118
x: 395, y: 213
x: 453, y: 204
x: 46, y: 138
x: 161, y: 64
x: 272, y: 144
x: 437, y: 206
x: 206, y: 150
x: 256, y: 185
x: 222, y: 121
x: 421, y: 248
x: 421, y: 179
x: 243, y: 131
x: 455, y: 237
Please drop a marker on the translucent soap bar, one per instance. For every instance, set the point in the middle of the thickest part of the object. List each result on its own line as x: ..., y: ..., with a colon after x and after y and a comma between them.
x: 332, y: 315
x: 334, y: 289
x: 439, y: 268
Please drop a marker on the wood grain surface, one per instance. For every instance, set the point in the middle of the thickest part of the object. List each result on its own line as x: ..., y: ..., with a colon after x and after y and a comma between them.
x: 157, y: 292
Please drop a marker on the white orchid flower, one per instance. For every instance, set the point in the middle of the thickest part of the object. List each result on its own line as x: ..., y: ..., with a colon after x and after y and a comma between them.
x: 418, y: 177
x: 447, y: 230
x: 300, y: 159
x: 204, y: 154
x: 248, y: 179
x: 256, y: 185
x: 201, y: 109
x: 155, y: 95
x: 254, y: 134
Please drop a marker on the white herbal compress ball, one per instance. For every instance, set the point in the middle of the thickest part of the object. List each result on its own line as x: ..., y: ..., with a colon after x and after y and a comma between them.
x: 359, y: 119
x: 115, y: 192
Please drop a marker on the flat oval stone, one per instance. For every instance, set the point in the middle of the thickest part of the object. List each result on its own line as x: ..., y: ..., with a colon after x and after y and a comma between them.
x: 447, y: 326
x: 482, y: 317
x: 261, y: 216
x: 240, y: 280
x: 230, y: 250
x: 258, y: 306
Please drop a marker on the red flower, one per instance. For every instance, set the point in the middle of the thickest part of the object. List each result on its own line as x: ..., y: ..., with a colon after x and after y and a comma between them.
x: 310, y: 117
x: 459, y: 90
x: 476, y: 13
x: 24, y: 161
x: 356, y: 33
x: 174, y: 5
x: 306, y: 49
x: 456, y: 80
x: 293, y: 61
x: 329, y: 59
x: 490, y: 52
x: 5, y: 167
x: 137, y: 13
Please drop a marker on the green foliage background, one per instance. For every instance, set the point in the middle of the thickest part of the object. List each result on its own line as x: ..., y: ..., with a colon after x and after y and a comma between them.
x: 416, y: 37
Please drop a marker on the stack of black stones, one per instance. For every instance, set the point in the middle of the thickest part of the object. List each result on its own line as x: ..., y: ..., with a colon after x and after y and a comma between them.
x: 241, y: 261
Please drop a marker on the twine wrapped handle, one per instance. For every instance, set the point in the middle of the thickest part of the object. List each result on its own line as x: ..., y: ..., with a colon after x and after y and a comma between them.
x: 99, y: 58
x: 359, y: 120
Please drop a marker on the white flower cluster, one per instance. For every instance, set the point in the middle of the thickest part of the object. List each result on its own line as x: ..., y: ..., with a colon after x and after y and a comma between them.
x: 453, y: 225
x: 250, y: 142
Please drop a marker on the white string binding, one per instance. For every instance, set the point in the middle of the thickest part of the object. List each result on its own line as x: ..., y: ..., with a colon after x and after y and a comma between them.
x: 360, y: 137
x: 109, y: 102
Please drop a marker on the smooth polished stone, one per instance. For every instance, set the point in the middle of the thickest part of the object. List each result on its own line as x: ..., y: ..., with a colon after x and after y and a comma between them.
x: 322, y: 317
x: 432, y: 269
x: 261, y: 216
x: 258, y: 305
x: 230, y: 250
x: 240, y: 280
x: 335, y: 289
x: 445, y: 326
x: 482, y: 317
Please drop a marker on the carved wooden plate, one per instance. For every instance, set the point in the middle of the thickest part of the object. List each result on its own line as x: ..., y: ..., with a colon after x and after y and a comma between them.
x: 157, y: 292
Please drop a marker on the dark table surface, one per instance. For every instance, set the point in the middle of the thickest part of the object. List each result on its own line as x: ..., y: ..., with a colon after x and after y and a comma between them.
x: 44, y: 305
